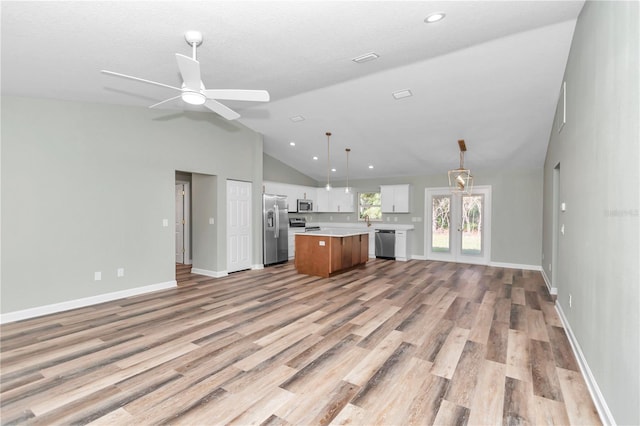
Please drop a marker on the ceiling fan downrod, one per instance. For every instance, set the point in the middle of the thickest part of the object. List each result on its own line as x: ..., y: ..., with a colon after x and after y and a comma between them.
x: 194, y: 39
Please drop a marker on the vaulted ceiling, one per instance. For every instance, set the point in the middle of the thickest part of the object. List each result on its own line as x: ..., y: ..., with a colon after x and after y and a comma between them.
x: 489, y: 73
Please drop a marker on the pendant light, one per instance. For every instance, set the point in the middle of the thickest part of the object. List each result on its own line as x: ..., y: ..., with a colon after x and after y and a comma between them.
x: 328, y: 187
x: 460, y: 179
x: 347, y: 190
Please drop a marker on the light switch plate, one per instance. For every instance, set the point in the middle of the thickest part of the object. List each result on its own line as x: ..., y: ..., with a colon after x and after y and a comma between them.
x: 120, y: 272
x: 165, y: 222
x: 563, y: 207
x: 211, y: 221
x: 97, y: 276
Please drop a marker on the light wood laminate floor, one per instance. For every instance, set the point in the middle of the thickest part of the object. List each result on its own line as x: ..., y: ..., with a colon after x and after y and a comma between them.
x: 390, y: 343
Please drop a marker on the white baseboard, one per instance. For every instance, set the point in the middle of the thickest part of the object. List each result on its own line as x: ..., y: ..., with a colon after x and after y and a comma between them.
x: 552, y: 290
x: 598, y: 399
x: 81, y: 303
x: 418, y: 257
x: 207, y: 273
x: 516, y: 266
x: 257, y: 266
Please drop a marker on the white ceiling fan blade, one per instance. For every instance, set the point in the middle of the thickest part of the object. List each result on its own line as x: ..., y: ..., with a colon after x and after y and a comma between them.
x: 222, y: 110
x: 117, y: 74
x: 238, y: 95
x: 190, y: 70
x: 166, y: 100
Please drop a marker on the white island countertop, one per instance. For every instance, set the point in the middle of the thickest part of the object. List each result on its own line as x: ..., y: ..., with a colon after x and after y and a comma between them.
x: 335, y: 232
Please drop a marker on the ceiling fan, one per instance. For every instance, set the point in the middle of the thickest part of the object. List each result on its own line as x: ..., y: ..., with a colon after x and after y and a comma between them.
x: 193, y: 91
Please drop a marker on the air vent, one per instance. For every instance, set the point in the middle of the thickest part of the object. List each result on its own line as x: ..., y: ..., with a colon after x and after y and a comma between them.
x: 366, y: 58
x: 402, y: 94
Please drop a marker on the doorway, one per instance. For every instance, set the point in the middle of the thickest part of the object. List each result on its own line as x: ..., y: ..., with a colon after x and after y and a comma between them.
x: 553, y: 266
x: 183, y: 223
x: 458, y: 227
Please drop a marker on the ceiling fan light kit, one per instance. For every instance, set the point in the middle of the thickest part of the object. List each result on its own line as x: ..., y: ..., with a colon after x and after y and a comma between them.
x: 193, y: 91
x: 460, y: 179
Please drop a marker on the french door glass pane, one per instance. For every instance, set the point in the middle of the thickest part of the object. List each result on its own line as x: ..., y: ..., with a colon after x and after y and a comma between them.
x: 440, y: 229
x: 472, y: 207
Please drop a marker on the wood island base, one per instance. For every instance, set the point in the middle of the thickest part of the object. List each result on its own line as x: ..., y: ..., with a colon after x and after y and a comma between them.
x: 326, y: 253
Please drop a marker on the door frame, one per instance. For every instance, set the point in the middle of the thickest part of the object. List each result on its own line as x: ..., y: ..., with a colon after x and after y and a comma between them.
x: 485, y: 258
x: 186, y: 214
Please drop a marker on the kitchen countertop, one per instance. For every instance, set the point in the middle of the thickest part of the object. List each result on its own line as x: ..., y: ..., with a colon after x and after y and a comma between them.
x: 363, y: 227
x: 336, y: 232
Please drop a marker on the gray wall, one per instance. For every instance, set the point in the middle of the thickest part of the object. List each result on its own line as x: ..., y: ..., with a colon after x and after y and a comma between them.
x: 277, y: 171
x: 85, y: 188
x: 597, y: 150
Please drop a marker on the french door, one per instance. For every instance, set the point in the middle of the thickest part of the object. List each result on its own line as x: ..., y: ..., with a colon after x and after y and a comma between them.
x: 458, y: 227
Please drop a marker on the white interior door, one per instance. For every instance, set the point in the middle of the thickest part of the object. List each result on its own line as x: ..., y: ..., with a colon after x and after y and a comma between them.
x: 238, y: 225
x: 458, y: 227
x: 180, y: 223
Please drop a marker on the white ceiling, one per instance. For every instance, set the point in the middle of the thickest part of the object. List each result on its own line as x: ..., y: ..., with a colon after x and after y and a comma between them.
x: 489, y: 73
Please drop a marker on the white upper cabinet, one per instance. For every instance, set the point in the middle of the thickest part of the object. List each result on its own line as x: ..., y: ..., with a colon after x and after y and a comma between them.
x: 292, y: 192
x: 395, y: 198
x: 334, y: 201
x: 322, y: 200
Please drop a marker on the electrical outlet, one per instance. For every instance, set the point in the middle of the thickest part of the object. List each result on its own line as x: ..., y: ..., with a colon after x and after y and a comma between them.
x: 549, y: 267
x: 97, y: 276
x: 120, y: 272
x: 395, y: 219
x: 348, y: 218
x: 165, y: 222
x: 211, y: 221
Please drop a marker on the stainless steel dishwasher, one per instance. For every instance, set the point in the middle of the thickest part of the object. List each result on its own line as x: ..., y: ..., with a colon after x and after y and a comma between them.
x: 386, y: 243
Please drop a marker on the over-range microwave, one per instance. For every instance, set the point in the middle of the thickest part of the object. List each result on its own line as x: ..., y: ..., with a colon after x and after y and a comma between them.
x: 305, y: 206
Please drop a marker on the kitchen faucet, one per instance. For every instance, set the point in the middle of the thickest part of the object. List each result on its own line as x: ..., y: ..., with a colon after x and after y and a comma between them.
x: 366, y: 217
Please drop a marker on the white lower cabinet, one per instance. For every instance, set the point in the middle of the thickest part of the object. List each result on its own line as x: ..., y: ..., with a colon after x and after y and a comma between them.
x: 403, y: 245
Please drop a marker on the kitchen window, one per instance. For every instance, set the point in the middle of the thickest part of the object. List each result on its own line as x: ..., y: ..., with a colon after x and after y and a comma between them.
x: 369, y: 205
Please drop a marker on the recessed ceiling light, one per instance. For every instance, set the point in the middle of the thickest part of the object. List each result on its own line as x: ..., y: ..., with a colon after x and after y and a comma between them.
x: 333, y: 170
x: 292, y: 143
x: 402, y: 94
x: 297, y: 118
x: 434, y: 17
x: 371, y: 166
x: 366, y: 57
x: 315, y: 158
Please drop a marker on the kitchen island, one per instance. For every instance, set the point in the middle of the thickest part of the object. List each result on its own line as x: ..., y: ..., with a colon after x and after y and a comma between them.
x: 328, y: 252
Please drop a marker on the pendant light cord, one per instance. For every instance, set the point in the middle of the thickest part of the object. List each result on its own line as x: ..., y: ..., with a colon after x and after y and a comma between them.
x: 328, y: 160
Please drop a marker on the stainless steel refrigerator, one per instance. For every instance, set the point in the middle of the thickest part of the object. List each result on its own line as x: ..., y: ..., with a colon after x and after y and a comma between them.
x: 275, y: 229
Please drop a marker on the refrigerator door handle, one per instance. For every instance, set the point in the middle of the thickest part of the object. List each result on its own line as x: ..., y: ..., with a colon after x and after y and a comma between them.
x: 276, y: 230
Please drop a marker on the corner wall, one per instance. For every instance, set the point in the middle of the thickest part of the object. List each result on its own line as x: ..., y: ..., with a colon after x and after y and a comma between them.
x: 598, y: 152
